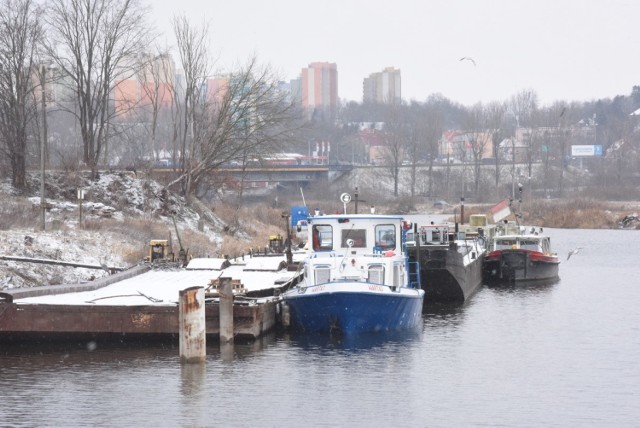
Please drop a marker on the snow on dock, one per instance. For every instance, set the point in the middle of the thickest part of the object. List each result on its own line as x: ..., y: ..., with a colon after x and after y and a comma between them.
x: 162, y: 286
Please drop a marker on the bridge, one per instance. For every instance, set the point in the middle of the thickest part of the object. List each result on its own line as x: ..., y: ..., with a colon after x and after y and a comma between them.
x: 273, y: 173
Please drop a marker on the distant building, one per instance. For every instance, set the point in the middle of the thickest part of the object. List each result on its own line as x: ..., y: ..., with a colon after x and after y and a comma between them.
x: 216, y: 89
x: 151, y: 85
x: 461, y: 145
x: 317, y: 90
x: 384, y: 87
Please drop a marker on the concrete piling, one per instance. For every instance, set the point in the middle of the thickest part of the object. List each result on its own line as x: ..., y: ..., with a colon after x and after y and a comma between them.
x: 193, y: 340
x: 226, y: 310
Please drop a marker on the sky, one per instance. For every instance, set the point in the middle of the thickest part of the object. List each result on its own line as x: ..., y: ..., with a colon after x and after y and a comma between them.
x: 564, y: 50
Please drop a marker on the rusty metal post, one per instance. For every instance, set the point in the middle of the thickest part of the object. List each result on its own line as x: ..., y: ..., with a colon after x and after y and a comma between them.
x: 226, y: 310
x: 193, y: 339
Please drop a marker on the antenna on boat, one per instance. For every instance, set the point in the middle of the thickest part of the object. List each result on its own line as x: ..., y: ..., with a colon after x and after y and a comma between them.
x: 303, y: 201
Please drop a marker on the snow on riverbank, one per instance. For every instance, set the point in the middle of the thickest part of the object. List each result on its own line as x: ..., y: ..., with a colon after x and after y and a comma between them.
x: 117, y: 197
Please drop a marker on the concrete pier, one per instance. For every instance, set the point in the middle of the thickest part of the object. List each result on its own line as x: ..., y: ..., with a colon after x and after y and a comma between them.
x: 226, y: 310
x: 192, y: 332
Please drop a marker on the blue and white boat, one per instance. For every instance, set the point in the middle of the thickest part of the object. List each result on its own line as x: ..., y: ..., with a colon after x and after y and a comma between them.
x: 357, y: 278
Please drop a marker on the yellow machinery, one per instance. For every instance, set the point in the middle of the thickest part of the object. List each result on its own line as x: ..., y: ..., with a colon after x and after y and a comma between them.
x: 276, y: 244
x: 158, y: 249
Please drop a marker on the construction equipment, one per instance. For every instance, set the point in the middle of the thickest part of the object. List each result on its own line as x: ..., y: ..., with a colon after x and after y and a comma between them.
x: 276, y: 244
x: 158, y: 249
x: 182, y: 254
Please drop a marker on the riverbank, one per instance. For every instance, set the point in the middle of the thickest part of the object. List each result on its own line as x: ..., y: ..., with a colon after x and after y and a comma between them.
x: 572, y: 214
x: 122, y: 213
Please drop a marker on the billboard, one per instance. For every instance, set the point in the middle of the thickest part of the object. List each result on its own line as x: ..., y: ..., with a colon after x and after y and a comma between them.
x: 586, y: 150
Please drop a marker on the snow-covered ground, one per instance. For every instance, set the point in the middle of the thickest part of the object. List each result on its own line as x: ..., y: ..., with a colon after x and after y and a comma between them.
x: 116, y: 197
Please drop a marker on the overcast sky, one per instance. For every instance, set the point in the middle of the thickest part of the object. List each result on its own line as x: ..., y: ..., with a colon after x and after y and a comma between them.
x: 574, y: 50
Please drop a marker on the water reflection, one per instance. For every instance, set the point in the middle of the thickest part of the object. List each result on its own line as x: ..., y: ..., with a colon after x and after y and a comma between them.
x: 193, y: 379
x: 443, y: 315
x: 524, y: 287
x: 355, y: 342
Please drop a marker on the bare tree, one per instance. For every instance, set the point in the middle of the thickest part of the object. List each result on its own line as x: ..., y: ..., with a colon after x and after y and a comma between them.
x: 495, y: 113
x: 395, y: 133
x: 248, y: 118
x: 432, y: 127
x: 193, y: 45
x: 95, y: 44
x: 477, y: 139
x: 20, y: 35
x: 157, y: 77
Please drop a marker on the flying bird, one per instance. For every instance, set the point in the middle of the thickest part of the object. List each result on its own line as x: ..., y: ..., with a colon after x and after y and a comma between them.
x: 466, y: 58
x: 574, y: 251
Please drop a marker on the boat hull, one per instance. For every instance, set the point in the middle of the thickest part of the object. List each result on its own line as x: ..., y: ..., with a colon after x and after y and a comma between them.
x: 519, y: 265
x: 445, y: 277
x: 350, y: 308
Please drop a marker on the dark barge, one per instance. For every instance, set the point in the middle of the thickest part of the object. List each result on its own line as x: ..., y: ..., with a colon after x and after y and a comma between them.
x: 450, y: 260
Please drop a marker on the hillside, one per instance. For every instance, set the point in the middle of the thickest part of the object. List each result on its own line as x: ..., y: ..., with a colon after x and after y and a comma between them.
x: 120, y: 214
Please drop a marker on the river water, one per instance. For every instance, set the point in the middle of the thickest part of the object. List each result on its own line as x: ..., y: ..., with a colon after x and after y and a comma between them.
x: 561, y: 354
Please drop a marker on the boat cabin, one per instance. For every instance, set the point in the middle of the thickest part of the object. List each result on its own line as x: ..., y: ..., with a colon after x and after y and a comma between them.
x: 356, y: 234
x: 362, y: 248
x: 435, y: 234
x: 541, y: 244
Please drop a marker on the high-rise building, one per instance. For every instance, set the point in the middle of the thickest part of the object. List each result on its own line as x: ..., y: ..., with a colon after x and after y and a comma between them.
x: 150, y: 86
x: 318, y: 90
x: 383, y: 87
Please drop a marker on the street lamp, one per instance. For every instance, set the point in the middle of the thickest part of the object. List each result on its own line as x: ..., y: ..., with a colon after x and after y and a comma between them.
x: 42, y: 143
x: 285, y: 215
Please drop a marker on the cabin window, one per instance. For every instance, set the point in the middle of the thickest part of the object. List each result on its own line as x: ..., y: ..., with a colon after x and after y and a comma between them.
x: 376, y: 274
x: 385, y: 236
x: 502, y: 244
x: 358, y: 236
x: 322, y: 274
x: 322, y: 237
x: 528, y: 244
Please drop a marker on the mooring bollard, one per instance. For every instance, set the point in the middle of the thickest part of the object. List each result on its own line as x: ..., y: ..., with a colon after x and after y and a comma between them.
x: 193, y: 338
x: 226, y: 310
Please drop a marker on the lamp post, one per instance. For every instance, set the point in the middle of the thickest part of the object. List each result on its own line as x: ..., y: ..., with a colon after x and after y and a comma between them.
x: 285, y: 215
x: 42, y: 144
x: 80, y: 198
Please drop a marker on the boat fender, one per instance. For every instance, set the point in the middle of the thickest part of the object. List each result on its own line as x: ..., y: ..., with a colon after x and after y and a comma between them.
x: 389, y: 253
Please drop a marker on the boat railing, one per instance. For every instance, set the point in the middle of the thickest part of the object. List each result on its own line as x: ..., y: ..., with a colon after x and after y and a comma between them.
x: 376, y: 252
x: 470, y: 246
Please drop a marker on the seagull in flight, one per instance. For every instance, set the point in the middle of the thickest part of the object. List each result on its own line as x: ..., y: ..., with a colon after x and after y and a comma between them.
x: 468, y: 59
x: 574, y: 251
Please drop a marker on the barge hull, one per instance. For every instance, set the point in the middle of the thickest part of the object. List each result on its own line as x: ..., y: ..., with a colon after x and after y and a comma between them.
x: 445, y: 278
x: 18, y: 321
